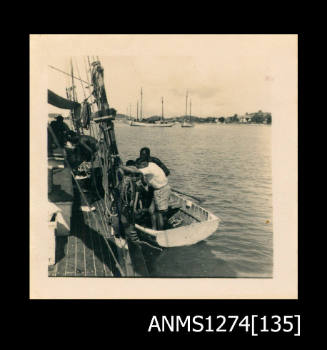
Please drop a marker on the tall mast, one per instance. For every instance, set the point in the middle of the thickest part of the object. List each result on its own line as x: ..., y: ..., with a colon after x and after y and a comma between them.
x: 73, y: 97
x: 90, y: 68
x: 186, y: 104
x: 73, y: 87
x: 130, y: 111
x: 190, y: 108
x: 88, y: 72
x: 79, y: 78
x: 162, y: 109
x: 141, y: 116
x: 137, y: 110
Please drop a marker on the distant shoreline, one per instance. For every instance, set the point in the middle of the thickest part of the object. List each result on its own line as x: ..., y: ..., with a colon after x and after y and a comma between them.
x: 249, y: 118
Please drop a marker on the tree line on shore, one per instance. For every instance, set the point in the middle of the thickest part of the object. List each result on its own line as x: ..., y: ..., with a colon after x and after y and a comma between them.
x: 249, y: 118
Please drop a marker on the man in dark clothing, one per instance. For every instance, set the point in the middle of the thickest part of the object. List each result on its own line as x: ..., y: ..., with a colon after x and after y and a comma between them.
x: 60, y: 130
x: 85, y: 148
x: 145, y: 154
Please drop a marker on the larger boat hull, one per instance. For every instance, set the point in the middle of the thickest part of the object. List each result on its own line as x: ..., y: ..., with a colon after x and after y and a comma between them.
x: 187, y: 125
x: 159, y: 125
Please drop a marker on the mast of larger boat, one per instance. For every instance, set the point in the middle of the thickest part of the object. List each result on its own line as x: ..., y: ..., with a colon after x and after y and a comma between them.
x: 186, y: 124
x: 141, y: 117
x: 159, y: 123
x: 138, y: 119
x: 137, y: 110
x: 162, y: 110
x: 186, y: 106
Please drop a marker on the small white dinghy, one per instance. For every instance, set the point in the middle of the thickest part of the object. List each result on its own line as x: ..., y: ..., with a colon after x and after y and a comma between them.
x: 190, y: 223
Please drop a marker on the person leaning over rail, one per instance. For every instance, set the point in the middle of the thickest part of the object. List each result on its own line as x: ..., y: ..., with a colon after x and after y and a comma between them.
x: 156, y: 178
x: 85, y: 148
x: 145, y: 153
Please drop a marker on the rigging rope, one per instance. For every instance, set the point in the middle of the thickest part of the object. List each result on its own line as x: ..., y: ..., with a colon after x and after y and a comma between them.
x: 85, y: 200
x: 107, y: 147
x: 80, y: 79
x: 61, y: 71
x: 118, y: 200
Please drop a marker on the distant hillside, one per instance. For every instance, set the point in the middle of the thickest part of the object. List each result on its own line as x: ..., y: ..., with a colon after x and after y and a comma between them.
x: 256, y: 117
x: 180, y: 119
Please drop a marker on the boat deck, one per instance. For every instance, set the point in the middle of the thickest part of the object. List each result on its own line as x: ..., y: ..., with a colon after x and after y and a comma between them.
x: 84, y: 253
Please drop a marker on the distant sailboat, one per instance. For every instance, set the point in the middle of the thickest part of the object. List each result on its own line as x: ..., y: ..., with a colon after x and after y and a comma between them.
x: 161, y: 123
x: 137, y: 122
x: 130, y: 115
x: 187, y: 124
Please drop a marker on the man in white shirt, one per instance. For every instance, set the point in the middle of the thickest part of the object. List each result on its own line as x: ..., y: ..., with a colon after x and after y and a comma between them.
x: 156, y: 178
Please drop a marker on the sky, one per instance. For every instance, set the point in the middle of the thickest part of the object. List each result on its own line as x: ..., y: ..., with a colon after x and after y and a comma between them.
x: 223, y: 74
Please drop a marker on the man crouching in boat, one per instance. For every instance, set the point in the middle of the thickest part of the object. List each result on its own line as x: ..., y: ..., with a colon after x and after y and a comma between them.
x: 155, y: 178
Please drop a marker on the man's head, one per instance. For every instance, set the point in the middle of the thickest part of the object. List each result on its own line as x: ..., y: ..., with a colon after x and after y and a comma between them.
x: 59, y: 118
x: 145, y: 152
x: 141, y: 163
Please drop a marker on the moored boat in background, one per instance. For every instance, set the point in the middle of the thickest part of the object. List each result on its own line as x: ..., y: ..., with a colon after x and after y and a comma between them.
x: 145, y: 124
x: 160, y: 123
x: 187, y: 121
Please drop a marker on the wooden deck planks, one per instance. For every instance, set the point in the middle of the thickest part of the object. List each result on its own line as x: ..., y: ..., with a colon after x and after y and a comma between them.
x: 70, y: 269
x: 98, y: 256
x: 52, y: 270
x: 105, y: 230
x: 89, y: 253
x: 93, y: 232
x: 61, y: 253
x: 80, y: 258
x: 85, y: 252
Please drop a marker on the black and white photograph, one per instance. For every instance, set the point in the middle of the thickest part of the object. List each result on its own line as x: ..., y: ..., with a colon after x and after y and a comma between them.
x: 166, y: 166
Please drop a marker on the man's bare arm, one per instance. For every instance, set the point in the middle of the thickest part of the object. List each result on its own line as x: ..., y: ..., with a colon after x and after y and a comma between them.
x: 131, y: 169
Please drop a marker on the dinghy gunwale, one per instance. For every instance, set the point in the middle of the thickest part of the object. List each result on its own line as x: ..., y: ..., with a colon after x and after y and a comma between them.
x: 165, y: 238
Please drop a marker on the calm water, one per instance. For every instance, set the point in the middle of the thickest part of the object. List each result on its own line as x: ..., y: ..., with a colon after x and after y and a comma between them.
x: 229, y: 166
